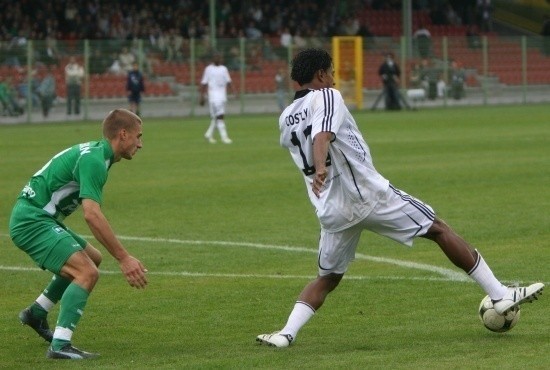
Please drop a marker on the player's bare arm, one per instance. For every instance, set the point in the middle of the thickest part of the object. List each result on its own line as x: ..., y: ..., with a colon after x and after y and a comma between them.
x: 132, y: 268
x: 321, y: 143
x: 202, y: 94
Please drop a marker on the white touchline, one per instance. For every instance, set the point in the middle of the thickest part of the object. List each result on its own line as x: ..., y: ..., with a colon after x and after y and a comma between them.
x: 446, y: 274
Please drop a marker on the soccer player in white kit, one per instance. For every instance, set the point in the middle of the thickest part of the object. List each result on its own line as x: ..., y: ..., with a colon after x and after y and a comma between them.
x: 215, y: 80
x: 350, y: 196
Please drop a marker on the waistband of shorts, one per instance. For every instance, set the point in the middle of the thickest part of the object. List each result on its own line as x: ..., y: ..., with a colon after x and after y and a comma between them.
x: 26, y: 202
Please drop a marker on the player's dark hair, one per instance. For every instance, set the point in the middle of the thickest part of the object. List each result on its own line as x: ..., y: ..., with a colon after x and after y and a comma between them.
x: 117, y: 120
x: 307, y: 62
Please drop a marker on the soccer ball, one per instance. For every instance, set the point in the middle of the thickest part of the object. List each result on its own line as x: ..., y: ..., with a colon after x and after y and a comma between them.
x: 495, y: 322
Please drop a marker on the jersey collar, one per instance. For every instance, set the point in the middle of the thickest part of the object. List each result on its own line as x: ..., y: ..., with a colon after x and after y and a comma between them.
x: 108, y: 152
x: 301, y: 93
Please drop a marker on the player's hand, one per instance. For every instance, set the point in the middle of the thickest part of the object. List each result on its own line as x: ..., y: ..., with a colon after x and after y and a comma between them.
x: 202, y: 101
x: 134, y: 271
x: 319, y: 181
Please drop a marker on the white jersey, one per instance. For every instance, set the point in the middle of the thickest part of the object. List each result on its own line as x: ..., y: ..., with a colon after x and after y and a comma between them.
x: 353, y: 186
x: 217, y: 78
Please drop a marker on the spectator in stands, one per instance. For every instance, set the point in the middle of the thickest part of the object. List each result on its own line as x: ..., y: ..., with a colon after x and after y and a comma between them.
x: 286, y: 37
x: 8, y: 97
x: 389, y: 73
x: 473, y: 38
x: 485, y: 15
x: 74, y: 73
x: 545, y: 33
x: 252, y: 31
x: 51, y: 53
x: 126, y: 59
x: 46, y: 92
x: 135, y: 86
x: 98, y: 62
x: 415, y: 81
x: 441, y: 86
x: 438, y: 15
x: 429, y: 76
x: 423, y: 40
x: 281, y: 83
x: 27, y: 88
x: 452, y: 16
x: 458, y: 78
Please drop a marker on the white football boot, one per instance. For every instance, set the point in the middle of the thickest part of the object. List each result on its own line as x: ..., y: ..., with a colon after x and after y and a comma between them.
x: 516, y: 296
x: 275, y: 339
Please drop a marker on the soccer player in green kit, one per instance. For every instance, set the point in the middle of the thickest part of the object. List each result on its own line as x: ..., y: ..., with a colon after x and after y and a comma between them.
x: 73, y: 177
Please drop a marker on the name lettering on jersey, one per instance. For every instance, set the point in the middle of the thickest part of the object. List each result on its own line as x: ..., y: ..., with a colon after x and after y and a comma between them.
x: 296, y: 118
x: 84, y: 148
x: 28, y: 192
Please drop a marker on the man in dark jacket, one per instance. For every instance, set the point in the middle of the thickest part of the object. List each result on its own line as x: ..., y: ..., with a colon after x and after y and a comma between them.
x: 135, y: 86
x: 389, y: 72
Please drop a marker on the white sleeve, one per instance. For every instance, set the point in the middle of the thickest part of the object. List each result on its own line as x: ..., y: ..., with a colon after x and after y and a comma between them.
x: 328, y: 111
x: 228, y: 76
x: 204, y: 80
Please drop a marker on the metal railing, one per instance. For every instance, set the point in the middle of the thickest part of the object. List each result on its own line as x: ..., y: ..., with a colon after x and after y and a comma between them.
x: 494, y: 70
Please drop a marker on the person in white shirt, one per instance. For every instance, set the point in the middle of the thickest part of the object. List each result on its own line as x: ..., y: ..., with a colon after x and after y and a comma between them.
x: 74, y: 73
x: 214, y: 84
x: 349, y: 196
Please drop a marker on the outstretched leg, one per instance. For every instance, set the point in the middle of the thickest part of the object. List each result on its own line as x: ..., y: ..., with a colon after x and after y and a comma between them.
x: 468, y: 259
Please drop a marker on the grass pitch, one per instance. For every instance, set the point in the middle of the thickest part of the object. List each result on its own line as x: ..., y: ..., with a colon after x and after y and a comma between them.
x: 229, y: 238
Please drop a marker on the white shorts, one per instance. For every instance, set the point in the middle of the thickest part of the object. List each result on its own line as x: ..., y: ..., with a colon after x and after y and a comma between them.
x: 398, y: 216
x: 217, y: 108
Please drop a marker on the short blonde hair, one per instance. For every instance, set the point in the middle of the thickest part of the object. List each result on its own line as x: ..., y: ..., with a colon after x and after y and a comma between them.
x: 117, y: 120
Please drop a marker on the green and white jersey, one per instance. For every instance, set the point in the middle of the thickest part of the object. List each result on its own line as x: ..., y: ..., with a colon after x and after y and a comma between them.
x: 76, y: 173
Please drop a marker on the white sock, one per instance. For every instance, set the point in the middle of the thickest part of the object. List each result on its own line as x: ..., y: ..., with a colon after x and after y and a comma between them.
x: 44, y: 302
x: 482, y: 274
x: 299, y: 316
x: 62, y: 333
x: 211, y: 128
x: 222, y: 129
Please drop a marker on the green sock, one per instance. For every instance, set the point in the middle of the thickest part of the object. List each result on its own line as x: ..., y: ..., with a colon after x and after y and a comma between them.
x: 72, y: 306
x: 54, y: 291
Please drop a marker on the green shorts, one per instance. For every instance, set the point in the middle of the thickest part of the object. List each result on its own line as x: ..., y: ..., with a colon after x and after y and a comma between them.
x: 46, y: 240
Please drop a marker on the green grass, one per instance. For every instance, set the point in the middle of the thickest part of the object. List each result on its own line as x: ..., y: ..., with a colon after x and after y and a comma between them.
x: 210, y: 221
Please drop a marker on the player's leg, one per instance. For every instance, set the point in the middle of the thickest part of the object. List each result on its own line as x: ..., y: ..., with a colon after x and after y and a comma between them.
x: 336, y: 251
x: 25, y: 220
x: 209, y: 135
x: 76, y: 265
x: 220, y: 122
x: 36, y: 314
x: 402, y: 217
x: 470, y: 260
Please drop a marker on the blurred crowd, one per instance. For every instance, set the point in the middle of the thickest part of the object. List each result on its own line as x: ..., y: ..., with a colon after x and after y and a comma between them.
x: 160, y: 20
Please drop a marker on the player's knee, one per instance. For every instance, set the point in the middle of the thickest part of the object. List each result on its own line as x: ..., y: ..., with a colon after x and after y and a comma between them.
x: 331, y: 281
x: 91, y: 274
x: 438, y: 229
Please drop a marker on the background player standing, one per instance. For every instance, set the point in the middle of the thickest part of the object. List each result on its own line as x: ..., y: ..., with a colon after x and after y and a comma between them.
x: 72, y: 177
x: 216, y: 80
x: 350, y: 196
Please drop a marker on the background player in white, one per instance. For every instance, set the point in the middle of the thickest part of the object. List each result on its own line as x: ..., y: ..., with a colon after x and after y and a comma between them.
x: 350, y: 196
x: 216, y: 80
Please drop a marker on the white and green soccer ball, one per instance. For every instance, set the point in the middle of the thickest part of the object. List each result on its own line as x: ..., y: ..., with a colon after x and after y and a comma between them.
x: 495, y: 322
